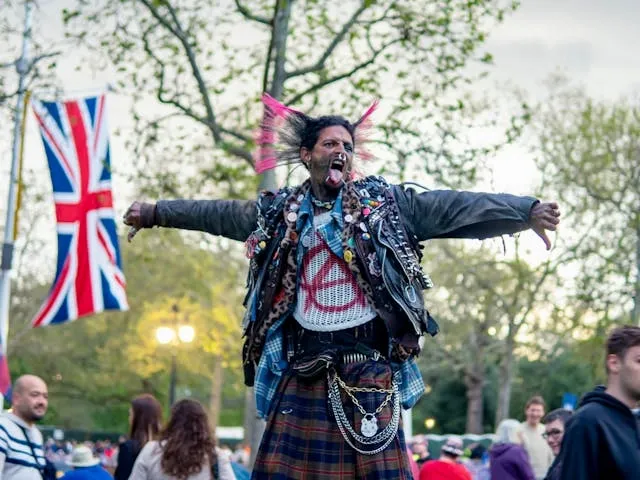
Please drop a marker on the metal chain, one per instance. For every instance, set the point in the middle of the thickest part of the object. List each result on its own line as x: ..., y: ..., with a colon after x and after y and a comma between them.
x: 348, y: 389
x: 386, y: 436
x: 341, y: 417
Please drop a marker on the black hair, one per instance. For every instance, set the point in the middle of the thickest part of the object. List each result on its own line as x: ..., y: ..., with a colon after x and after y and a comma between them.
x: 316, y: 125
x: 561, y: 414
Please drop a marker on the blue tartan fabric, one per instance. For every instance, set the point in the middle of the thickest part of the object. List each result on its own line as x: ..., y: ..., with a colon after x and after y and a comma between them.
x: 302, y: 439
x: 272, y: 363
x: 329, y: 232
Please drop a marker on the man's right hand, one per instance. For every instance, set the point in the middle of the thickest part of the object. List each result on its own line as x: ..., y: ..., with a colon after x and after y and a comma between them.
x: 139, y: 215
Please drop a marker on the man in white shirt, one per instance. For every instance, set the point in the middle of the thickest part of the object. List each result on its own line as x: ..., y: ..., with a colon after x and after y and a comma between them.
x: 530, y: 436
x: 21, y: 452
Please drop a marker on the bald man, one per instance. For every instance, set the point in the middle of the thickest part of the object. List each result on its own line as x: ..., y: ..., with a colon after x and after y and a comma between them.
x: 21, y: 453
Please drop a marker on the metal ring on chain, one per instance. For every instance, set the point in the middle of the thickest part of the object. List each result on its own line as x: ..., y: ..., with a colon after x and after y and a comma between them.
x: 385, y: 436
x: 381, y: 436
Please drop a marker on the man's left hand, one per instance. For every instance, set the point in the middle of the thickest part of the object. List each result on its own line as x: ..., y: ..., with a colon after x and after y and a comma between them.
x: 543, y: 217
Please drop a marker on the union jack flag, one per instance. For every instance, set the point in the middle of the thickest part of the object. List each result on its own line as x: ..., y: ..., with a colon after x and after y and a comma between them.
x: 89, y: 277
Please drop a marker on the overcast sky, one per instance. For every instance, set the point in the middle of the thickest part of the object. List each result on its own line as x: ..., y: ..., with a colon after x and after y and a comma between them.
x: 594, y: 41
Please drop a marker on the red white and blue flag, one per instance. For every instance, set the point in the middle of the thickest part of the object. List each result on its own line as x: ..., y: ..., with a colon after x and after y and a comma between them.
x: 89, y: 277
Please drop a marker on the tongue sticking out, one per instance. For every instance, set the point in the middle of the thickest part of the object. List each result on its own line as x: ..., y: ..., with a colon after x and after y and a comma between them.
x: 334, y: 179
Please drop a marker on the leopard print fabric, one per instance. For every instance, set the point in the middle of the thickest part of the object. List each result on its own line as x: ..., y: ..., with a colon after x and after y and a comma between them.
x: 283, y: 299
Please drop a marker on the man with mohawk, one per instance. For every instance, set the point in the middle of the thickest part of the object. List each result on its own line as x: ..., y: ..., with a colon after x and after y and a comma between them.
x: 335, y: 305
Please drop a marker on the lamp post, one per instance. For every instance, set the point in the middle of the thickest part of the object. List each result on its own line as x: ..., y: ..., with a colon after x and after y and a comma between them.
x: 174, y: 335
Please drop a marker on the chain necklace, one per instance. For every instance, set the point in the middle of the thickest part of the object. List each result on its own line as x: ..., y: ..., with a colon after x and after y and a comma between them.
x: 369, y: 426
x: 320, y: 204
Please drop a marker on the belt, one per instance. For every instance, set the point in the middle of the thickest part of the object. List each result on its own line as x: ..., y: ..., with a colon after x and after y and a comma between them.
x: 363, y: 339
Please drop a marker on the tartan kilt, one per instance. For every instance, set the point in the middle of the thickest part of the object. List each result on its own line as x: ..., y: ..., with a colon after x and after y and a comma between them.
x: 302, y: 439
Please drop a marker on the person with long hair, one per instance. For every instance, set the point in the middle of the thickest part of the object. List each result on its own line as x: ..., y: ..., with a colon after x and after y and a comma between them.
x: 185, y: 449
x: 145, y: 419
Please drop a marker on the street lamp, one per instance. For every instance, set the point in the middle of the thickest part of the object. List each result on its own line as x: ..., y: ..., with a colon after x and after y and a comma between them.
x: 174, y: 335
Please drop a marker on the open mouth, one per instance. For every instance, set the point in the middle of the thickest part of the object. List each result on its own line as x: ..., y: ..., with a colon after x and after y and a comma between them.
x: 337, y: 164
x: 336, y: 168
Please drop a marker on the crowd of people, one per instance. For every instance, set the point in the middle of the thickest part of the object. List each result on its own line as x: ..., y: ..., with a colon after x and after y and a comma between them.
x: 600, y: 441
x: 59, y: 452
x: 182, y: 448
x: 521, y: 450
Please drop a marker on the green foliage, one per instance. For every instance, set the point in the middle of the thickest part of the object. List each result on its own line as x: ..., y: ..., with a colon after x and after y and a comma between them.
x: 202, y: 66
x: 94, y: 366
x: 491, y: 307
x: 571, y: 367
x: 590, y: 161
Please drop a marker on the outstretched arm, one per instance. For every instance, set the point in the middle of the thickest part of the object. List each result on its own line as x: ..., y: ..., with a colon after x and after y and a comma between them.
x: 234, y: 219
x: 453, y: 214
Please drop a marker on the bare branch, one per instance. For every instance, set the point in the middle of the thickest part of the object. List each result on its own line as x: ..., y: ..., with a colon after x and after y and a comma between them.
x: 342, y: 76
x: 43, y: 56
x: 236, y: 134
x: 247, y: 14
x: 210, y: 120
x: 163, y: 21
x: 320, y: 64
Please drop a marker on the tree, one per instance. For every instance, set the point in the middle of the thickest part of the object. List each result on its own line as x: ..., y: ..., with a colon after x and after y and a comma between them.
x: 490, y: 307
x: 39, y: 69
x: 206, y: 64
x: 589, y: 155
x: 161, y: 267
x: 188, y: 57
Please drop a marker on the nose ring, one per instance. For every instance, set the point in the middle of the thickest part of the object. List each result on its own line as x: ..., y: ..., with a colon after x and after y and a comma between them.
x: 342, y: 156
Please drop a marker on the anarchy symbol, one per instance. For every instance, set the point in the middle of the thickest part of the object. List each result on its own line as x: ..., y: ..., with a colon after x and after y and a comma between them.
x: 315, y: 286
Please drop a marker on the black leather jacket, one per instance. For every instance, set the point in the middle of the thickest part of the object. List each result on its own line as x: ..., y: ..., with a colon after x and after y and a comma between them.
x: 422, y: 216
x: 428, y: 215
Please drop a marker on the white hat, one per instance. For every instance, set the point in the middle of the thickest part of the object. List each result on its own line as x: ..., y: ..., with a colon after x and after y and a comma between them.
x: 453, y: 446
x: 82, y: 456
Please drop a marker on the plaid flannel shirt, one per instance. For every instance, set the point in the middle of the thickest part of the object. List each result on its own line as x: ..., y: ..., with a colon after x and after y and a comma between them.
x: 273, y: 363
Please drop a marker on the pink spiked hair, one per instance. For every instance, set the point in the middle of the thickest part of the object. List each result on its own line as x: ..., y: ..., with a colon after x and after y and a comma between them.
x: 284, y: 130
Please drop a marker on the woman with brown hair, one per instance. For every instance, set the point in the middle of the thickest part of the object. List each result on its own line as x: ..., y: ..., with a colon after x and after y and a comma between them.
x: 145, y: 419
x: 185, y: 449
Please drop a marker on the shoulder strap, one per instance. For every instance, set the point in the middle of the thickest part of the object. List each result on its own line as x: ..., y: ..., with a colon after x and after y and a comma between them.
x: 33, y: 450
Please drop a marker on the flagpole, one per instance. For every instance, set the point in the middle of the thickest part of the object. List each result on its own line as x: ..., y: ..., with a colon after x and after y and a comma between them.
x: 22, y: 67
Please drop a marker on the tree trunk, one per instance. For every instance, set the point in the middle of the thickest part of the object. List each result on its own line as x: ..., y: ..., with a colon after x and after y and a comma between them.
x: 279, y: 35
x: 254, y: 427
x: 475, y: 384
x: 636, y: 299
x: 474, y: 381
x: 506, y: 380
x: 215, y: 401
